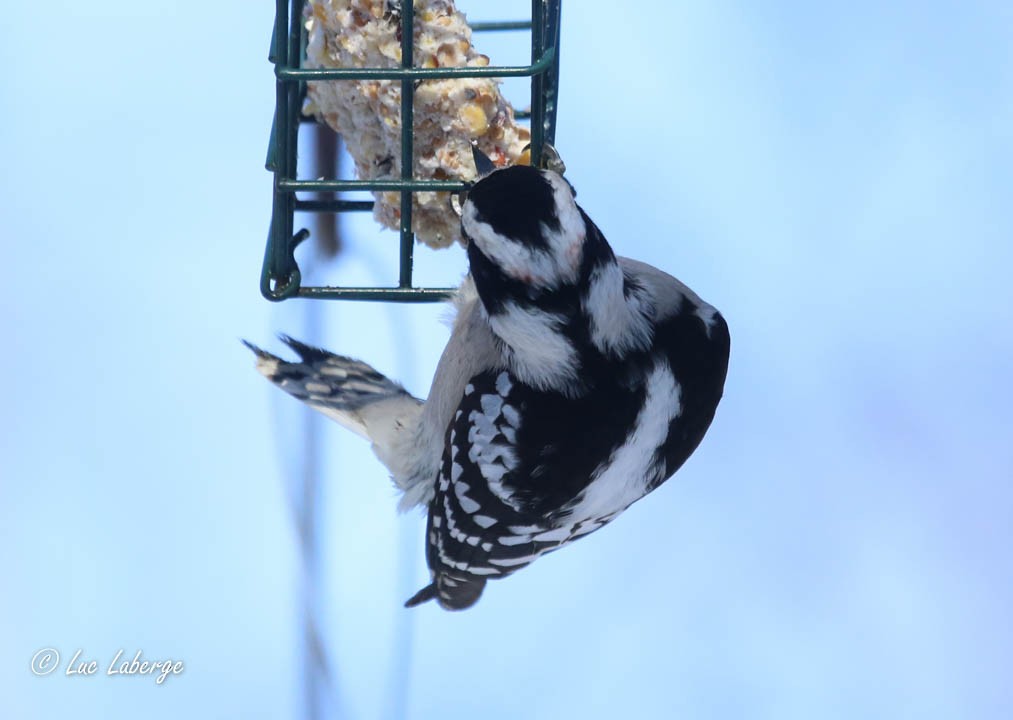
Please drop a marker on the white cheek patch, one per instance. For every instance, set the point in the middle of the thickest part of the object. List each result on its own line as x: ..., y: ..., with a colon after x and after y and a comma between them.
x: 566, y: 244
x: 528, y: 265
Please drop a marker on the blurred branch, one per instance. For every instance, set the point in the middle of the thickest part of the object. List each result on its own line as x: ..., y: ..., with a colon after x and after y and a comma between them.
x: 326, y: 164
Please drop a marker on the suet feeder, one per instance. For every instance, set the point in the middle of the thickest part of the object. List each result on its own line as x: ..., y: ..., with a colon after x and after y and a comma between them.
x: 281, y: 278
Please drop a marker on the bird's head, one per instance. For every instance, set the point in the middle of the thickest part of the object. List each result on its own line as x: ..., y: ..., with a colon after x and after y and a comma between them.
x: 524, y: 229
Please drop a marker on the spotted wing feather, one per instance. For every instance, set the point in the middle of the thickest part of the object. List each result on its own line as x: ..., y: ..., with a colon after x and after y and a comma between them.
x: 516, y: 461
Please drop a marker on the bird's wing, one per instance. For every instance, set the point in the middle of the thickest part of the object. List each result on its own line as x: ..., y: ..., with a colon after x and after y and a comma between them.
x: 518, y: 462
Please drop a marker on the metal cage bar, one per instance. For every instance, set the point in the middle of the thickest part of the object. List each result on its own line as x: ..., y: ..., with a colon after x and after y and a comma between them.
x: 281, y: 278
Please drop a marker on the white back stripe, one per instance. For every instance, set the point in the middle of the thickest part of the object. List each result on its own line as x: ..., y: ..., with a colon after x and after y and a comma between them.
x: 625, y: 477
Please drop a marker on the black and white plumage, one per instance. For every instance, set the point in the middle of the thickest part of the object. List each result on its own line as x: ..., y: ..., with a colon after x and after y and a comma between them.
x: 574, y: 383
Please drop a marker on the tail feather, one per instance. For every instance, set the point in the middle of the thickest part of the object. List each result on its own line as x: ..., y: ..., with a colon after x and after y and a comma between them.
x: 451, y: 592
x: 336, y: 385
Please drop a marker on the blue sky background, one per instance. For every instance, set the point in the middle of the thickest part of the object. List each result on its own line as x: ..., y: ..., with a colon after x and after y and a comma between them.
x: 835, y: 178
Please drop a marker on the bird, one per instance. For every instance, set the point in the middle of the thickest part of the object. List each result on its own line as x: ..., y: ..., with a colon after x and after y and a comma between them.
x: 574, y: 383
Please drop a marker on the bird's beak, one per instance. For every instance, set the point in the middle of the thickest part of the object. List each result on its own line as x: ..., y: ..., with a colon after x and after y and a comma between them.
x: 483, y: 165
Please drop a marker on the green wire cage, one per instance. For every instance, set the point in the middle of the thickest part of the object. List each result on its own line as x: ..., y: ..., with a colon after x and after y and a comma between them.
x: 281, y: 277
